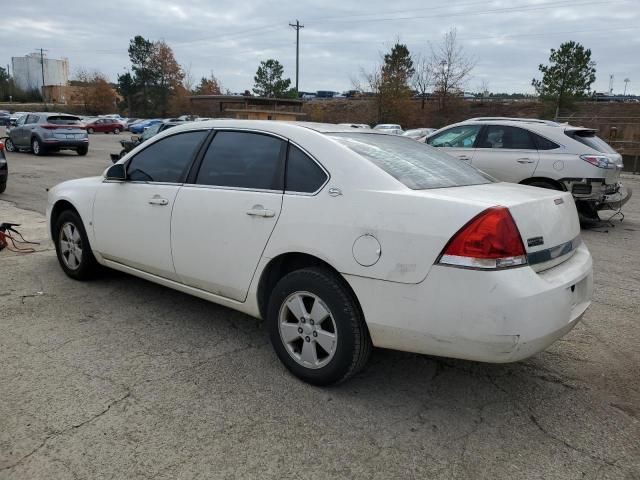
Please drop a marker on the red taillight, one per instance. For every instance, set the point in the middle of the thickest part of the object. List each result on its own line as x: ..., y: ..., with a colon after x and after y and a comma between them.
x: 1, y: 146
x: 49, y: 126
x: 489, y: 240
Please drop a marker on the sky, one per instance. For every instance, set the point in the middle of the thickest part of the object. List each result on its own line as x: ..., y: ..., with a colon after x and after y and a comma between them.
x: 507, y: 39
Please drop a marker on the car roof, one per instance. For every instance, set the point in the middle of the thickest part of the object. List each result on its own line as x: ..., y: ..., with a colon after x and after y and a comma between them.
x: 285, y: 128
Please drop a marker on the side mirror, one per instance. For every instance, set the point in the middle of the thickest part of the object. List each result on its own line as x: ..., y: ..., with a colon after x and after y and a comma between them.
x: 116, y: 172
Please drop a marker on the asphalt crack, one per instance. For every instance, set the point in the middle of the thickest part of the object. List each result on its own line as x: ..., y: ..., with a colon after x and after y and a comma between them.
x: 60, y: 433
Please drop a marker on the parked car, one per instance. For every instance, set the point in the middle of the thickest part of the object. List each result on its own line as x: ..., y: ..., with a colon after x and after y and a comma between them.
x: 391, y: 128
x: 416, y: 133
x: 355, y: 125
x: 313, y: 228
x: 140, y: 126
x: 104, y: 125
x: 48, y: 132
x: 128, y: 145
x: 4, y: 169
x: 5, y: 118
x: 540, y: 153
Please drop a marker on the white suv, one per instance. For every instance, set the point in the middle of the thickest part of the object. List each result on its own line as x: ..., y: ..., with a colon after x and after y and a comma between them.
x: 540, y: 153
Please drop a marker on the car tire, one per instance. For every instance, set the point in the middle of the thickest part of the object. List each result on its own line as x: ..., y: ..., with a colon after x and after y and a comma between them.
x: 72, y: 246
x: 36, y: 147
x: 296, y: 337
x: 543, y: 184
x: 82, y: 151
x: 3, y: 187
x: 116, y: 131
x: 90, y: 130
x: 9, y: 146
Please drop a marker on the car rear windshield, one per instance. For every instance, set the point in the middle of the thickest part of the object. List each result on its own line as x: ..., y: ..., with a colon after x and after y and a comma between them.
x: 63, y: 120
x: 416, y: 165
x: 590, y: 139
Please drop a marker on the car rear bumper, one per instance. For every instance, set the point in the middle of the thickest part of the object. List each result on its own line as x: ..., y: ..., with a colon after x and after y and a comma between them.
x: 497, y: 317
x: 69, y: 143
x: 616, y: 200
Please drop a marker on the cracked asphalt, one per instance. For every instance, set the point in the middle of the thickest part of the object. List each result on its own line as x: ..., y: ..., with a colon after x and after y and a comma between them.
x: 121, y: 378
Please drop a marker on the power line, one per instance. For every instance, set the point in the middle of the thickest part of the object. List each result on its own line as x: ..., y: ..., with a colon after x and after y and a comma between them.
x: 297, y: 26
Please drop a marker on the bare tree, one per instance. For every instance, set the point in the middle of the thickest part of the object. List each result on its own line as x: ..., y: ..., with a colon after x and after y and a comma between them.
x: 423, y: 77
x: 189, y: 81
x: 451, y: 67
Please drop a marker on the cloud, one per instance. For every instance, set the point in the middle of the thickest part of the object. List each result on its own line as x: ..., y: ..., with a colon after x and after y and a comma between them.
x: 508, y: 38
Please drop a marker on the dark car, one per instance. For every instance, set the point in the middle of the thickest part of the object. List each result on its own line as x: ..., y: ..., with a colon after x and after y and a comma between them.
x: 5, y: 118
x: 48, y: 132
x: 4, y: 170
x: 106, y: 125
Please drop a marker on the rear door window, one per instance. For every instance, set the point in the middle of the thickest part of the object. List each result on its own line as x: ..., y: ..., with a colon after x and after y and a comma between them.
x: 31, y: 119
x: 167, y: 160
x: 462, y: 136
x: 543, y: 143
x: 243, y: 160
x: 504, y: 137
x: 303, y: 174
x: 416, y: 165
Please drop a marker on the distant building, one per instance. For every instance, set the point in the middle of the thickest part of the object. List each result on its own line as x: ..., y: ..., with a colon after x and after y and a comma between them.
x: 246, y: 107
x: 27, y: 71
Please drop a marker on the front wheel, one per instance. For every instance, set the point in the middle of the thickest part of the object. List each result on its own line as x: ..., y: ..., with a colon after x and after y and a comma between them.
x: 90, y: 130
x: 10, y: 146
x: 3, y: 187
x: 82, y: 151
x: 116, y: 131
x: 316, y: 327
x: 72, y: 246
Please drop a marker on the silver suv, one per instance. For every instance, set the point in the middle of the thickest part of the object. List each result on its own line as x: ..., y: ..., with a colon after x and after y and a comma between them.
x: 540, y: 153
x: 48, y: 132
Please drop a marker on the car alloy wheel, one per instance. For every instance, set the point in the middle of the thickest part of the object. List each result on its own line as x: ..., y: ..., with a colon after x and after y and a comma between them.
x: 9, y: 145
x: 89, y: 130
x: 70, y: 246
x: 35, y: 146
x: 116, y: 131
x: 308, y: 330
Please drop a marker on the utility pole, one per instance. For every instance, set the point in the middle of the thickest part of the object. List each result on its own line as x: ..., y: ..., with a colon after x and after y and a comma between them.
x: 297, y: 26
x: 44, y: 99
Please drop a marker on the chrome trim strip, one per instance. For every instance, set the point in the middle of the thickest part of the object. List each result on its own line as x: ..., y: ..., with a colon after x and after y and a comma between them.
x: 548, y: 254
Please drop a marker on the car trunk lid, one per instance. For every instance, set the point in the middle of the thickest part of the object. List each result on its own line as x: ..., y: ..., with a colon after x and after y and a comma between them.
x: 546, y: 219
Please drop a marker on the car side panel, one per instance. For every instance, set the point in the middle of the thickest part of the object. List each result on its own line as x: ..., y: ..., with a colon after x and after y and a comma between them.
x: 411, y: 230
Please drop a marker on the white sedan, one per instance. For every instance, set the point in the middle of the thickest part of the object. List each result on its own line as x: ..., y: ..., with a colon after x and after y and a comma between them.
x: 340, y: 238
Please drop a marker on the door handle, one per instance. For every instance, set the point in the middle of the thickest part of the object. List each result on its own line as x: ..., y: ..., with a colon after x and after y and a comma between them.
x: 158, y: 201
x: 524, y: 160
x: 463, y: 157
x: 260, y: 211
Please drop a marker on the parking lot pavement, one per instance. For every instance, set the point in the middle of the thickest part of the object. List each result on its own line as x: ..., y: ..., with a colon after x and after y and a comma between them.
x: 122, y: 378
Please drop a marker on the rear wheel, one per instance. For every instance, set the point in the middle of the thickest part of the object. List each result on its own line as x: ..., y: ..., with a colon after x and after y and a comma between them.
x: 36, y: 147
x: 317, y: 328
x: 72, y: 246
x: 9, y: 145
x: 82, y: 151
x: 3, y: 187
